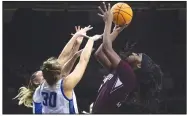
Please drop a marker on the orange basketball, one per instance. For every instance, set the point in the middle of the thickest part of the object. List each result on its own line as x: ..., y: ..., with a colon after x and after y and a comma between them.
x: 122, y: 13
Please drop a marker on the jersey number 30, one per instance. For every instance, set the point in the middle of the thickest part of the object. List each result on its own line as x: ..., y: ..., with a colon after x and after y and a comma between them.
x: 49, y: 99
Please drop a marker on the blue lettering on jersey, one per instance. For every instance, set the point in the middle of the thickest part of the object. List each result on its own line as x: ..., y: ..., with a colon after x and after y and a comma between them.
x: 49, y: 99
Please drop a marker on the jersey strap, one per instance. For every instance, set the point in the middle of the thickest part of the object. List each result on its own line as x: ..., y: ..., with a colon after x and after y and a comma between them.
x: 62, y: 90
x: 71, y: 104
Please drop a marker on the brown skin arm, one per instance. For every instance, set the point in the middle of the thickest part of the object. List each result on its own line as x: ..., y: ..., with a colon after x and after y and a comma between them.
x: 100, y: 55
x: 101, y: 58
x: 107, y: 43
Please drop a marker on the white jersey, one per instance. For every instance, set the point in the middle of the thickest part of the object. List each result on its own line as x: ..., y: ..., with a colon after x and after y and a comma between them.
x: 52, y: 100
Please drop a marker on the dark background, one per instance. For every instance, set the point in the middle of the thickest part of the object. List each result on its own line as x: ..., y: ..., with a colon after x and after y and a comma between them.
x: 35, y: 31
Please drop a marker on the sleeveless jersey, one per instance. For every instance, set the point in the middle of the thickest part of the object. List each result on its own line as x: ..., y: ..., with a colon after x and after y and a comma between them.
x: 52, y: 100
x: 115, y: 89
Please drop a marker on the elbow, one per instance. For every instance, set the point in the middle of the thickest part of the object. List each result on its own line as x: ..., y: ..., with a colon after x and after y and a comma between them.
x: 107, y: 49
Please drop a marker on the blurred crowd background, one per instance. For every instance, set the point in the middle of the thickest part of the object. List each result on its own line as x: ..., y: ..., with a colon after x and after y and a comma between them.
x: 35, y: 31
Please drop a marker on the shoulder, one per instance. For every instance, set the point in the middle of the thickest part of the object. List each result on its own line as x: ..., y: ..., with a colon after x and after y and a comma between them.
x: 36, y: 94
x: 123, y: 64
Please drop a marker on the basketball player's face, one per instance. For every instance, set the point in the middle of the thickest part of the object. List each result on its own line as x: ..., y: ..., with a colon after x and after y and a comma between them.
x: 39, y: 78
x: 135, y: 60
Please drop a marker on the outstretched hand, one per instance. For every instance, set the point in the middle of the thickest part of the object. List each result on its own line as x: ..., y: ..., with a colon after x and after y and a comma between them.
x: 77, y: 28
x: 79, y: 39
x: 96, y: 37
x: 81, y: 32
x: 119, y: 28
x: 106, y: 13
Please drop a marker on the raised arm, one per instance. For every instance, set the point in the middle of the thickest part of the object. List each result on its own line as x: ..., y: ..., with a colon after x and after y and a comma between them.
x: 107, y: 43
x: 125, y: 71
x: 73, y: 78
x: 100, y: 55
x: 72, y: 46
x: 67, y: 67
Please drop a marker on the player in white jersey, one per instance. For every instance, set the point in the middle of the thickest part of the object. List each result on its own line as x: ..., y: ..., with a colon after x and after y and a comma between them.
x: 54, y: 100
x: 67, y: 59
x: 56, y: 94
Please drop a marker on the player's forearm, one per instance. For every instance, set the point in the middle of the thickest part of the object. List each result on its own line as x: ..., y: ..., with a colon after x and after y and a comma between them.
x: 85, y: 56
x: 75, y: 47
x: 101, y: 58
x: 73, y: 79
x: 107, y: 43
x: 69, y: 65
x: 114, y: 35
x: 68, y: 48
x: 84, y: 59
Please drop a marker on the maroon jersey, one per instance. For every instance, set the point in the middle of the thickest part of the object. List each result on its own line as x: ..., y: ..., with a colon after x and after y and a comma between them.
x: 115, y: 88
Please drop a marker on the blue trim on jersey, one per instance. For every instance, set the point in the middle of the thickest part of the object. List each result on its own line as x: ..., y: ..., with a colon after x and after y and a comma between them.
x: 37, y: 108
x: 71, y: 107
x: 61, y: 87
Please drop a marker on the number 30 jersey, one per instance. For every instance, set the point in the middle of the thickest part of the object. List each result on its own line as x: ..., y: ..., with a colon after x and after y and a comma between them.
x: 52, y: 100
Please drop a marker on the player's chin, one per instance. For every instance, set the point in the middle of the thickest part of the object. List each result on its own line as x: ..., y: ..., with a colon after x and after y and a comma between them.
x: 130, y: 59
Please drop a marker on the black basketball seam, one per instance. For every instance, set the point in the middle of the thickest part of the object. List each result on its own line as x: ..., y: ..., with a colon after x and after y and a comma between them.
x: 118, y: 6
x: 125, y: 7
x: 123, y: 18
x: 122, y: 10
x: 126, y: 12
x: 118, y: 13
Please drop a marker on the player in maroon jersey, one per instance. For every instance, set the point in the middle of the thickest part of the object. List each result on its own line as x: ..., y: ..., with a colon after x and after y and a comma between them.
x: 133, y: 81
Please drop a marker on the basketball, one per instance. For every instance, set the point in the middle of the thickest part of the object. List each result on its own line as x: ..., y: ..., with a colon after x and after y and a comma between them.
x: 122, y: 13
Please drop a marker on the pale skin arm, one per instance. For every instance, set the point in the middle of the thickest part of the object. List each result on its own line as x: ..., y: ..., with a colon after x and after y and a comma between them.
x: 67, y: 67
x: 69, y: 64
x: 73, y: 78
x: 71, y: 47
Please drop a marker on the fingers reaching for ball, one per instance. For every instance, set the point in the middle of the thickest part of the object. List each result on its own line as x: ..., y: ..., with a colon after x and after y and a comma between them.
x: 105, y: 12
x: 104, y: 5
x: 108, y: 6
x: 122, y: 13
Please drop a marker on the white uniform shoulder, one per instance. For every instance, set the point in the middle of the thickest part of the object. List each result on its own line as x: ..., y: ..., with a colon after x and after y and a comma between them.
x: 37, y: 97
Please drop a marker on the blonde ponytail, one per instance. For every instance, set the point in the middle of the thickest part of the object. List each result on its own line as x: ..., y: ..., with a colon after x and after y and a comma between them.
x: 25, y: 96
